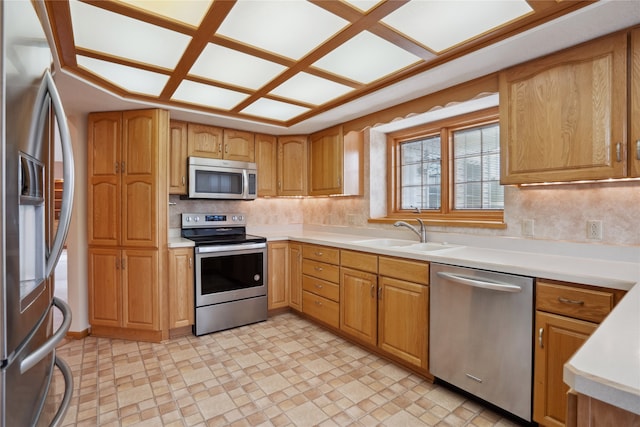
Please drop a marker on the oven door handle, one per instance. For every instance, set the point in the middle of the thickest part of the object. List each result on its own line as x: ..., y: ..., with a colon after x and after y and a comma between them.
x: 226, y: 248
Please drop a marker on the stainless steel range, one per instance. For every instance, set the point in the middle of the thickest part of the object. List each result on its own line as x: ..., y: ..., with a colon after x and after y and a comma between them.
x: 230, y: 273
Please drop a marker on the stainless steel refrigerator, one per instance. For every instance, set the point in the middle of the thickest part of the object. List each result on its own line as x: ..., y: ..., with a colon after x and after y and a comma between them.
x: 31, y: 120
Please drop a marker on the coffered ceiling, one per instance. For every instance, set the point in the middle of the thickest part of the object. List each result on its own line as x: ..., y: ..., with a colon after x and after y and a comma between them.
x: 275, y: 62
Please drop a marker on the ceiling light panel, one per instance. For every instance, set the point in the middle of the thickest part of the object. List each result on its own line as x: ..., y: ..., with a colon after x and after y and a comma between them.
x: 440, y: 25
x: 188, y: 11
x: 235, y: 68
x: 363, y: 5
x: 128, y: 78
x: 308, y: 88
x: 275, y: 110
x: 118, y: 35
x: 208, y: 96
x: 366, y: 58
x: 288, y: 28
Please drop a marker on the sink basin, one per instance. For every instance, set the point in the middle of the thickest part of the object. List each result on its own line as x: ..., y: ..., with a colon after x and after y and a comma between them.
x: 431, y: 246
x: 386, y: 243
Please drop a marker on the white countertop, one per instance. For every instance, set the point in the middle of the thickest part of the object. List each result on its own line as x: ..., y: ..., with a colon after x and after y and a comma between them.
x: 607, y: 367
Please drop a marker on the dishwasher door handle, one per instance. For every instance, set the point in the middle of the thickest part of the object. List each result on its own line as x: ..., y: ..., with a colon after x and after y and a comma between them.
x: 476, y: 283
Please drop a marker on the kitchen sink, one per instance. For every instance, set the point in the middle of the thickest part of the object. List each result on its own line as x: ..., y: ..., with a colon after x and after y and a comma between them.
x: 431, y: 246
x: 386, y: 243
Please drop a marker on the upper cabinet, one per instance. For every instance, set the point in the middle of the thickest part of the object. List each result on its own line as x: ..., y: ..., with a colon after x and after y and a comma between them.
x: 563, y: 117
x: 178, y: 157
x: 336, y: 163
x: 217, y: 143
x: 634, y: 136
x: 282, y: 165
x: 239, y: 145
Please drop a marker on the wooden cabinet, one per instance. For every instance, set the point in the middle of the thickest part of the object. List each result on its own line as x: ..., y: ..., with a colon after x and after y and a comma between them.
x: 238, y: 145
x: 127, y: 199
x: 566, y: 316
x: 634, y: 131
x: 403, y: 310
x: 278, y: 275
x: 204, y: 141
x: 178, y: 153
x: 181, y: 290
x: 563, y: 117
x: 359, y: 296
x: 320, y: 284
x: 295, y: 276
x: 336, y: 163
x: 589, y: 411
x: 282, y: 165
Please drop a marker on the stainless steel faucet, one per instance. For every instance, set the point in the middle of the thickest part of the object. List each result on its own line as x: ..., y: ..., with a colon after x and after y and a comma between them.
x: 422, y: 233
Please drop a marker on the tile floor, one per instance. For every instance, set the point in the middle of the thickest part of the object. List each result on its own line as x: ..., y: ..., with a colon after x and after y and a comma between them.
x: 282, y: 372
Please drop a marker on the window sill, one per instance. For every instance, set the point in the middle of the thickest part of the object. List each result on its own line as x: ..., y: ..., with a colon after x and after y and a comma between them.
x: 451, y: 222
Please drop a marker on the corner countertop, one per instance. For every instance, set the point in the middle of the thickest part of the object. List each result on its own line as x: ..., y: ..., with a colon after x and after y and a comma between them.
x: 607, y: 367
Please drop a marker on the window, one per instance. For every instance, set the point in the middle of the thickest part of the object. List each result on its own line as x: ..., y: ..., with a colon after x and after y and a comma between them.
x: 448, y: 171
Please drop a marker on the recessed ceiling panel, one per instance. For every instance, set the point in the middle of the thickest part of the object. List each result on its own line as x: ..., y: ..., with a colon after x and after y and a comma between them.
x: 440, y: 25
x: 188, y: 11
x: 274, y: 110
x: 288, y: 28
x: 208, y: 96
x: 366, y: 58
x: 233, y: 67
x: 118, y: 35
x: 128, y: 78
x: 363, y: 5
x: 308, y: 88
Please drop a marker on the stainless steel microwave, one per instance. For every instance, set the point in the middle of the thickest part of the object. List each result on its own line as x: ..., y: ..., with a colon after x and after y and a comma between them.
x: 222, y: 179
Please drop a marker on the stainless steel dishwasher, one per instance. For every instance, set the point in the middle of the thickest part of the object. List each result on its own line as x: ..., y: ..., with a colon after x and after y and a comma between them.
x: 480, y: 334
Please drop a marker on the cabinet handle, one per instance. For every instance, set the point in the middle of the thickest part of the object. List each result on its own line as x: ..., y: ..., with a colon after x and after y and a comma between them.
x: 123, y: 168
x: 318, y: 303
x: 184, y: 180
x: 279, y: 185
x: 638, y: 149
x: 318, y: 286
x: 570, y: 301
x: 117, y: 264
x: 116, y: 167
x: 220, y: 148
x: 124, y: 263
x: 372, y: 291
x: 619, y: 152
x: 540, y: 333
x: 190, y: 262
x: 318, y: 268
x: 339, y: 181
x: 318, y: 253
x: 380, y: 293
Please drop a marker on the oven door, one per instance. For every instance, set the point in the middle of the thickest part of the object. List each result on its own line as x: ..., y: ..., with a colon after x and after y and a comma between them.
x: 230, y: 272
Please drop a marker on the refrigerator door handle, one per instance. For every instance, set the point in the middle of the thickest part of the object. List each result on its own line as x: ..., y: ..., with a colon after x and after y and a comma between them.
x: 47, y: 90
x: 68, y: 391
x: 50, y: 345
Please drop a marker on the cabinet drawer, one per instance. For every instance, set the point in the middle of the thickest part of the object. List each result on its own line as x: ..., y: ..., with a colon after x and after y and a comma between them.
x: 580, y: 303
x: 321, y: 287
x: 321, y: 270
x: 411, y: 271
x: 321, y: 253
x: 359, y: 261
x: 320, y: 308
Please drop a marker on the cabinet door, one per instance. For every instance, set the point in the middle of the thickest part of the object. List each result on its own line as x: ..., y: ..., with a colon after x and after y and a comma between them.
x: 277, y: 273
x: 266, y: 162
x: 562, y: 117
x: 105, y: 290
x: 634, y: 137
x: 140, y: 289
x: 103, y: 172
x: 295, y: 275
x: 139, y: 178
x: 358, y: 304
x: 181, y: 298
x: 204, y: 141
x: 325, y: 162
x: 557, y: 339
x: 178, y: 152
x: 239, y: 145
x: 403, y: 320
x: 292, y: 165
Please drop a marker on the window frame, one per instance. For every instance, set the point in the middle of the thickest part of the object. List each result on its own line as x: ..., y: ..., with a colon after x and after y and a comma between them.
x: 446, y: 215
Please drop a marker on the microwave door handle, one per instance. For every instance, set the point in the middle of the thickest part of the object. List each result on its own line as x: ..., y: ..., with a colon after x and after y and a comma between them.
x: 48, y: 89
x: 245, y: 184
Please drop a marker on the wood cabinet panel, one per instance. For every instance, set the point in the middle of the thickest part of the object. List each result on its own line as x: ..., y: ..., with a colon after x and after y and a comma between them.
x: 563, y: 117
x: 278, y: 275
x: 634, y: 131
x: 358, y: 304
x: 580, y: 303
x: 321, y: 287
x: 412, y: 271
x: 181, y: 291
x: 403, y: 320
x: 178, y: 153
x: 359, y: 261
x: 105, y: 293
x: 559, y: 337
x: 321, y: 270
x: 238, y: 145
x: 322, y: 309
x: 295, y: 275
x: 140, y: 290
x: 321, y: 253
x: 266, y: 154
x: 204, y: 141
x: 292, y: 165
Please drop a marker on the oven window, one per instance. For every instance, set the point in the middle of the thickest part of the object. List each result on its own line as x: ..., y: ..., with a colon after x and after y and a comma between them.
x: 218, y: 182
x: 231, y: 272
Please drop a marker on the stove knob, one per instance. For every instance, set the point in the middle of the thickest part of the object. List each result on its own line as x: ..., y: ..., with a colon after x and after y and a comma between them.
x: 240, y: 218
x: 197, y: 219
x: 187, y: 219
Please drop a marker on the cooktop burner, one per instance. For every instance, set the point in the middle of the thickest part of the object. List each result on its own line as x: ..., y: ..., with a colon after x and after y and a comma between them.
x: 217, y: 229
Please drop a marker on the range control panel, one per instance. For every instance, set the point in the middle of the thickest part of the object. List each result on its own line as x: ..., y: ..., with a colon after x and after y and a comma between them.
x: 210, y: 220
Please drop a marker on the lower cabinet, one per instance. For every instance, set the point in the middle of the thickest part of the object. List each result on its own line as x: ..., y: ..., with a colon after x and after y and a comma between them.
x: 124, y: 296
x: 181, y: 291
x: 566, y: 315
x: 278, y: 275
x: 295, y: 276
x: 321, y: 284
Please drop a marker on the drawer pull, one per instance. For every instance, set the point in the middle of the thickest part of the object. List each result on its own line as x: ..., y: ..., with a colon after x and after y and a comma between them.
x: 540, y: 332
x: 373, y: 287
x: 318, y: 268
x: 638, y: 149
x: 318, y: 303
x: 319, y: 253
x: 318, y: 286
x: 618, y: 152
x: 570, y: 301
